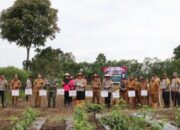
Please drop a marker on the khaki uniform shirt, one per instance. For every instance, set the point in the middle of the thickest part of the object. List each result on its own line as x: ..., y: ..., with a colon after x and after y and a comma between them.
x: 154, y: 87
x: 15, y: 84
x: 143, y: 86
x: 96, y: 85
x: 38, y: 84
x: 131, y: 85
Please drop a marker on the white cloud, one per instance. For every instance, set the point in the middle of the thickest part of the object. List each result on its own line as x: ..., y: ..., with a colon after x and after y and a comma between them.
x: 120, y: 29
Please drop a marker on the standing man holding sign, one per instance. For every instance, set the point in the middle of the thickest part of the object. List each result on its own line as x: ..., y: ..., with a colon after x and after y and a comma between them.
x: 107, y: 85
x: 123, y: 89
x: 80, y: 83
x: 38, y: 84
x: 143, y: 91
x: 15, y: 84
x: 3, y: 88
x: 96, y: 86
x: 154, y: 92
x: 52, y: 89
x: 28, y: 87
x: 131, y: 86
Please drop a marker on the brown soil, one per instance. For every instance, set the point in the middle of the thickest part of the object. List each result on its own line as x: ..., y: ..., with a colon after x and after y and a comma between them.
x: 49, y: 125
x: 97, y: 126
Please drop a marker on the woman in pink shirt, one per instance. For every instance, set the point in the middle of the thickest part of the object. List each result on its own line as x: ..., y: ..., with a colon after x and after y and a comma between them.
x: 72, y: 87
x: 66, y: 86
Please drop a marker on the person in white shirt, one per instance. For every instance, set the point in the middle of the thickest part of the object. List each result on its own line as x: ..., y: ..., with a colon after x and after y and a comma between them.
x: 175, y: 89
x: 165, y: 83
x: 28, y: 86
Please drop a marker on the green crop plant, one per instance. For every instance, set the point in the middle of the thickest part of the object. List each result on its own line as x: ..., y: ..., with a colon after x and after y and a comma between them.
x: 81, y: 119
x: 94, y: 108
x: 27, y: 118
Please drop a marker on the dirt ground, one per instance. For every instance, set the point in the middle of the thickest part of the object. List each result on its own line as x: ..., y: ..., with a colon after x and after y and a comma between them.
x: 56, y: 116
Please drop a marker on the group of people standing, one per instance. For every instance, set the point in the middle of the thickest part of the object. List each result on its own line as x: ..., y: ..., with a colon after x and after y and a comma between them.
x: 156, y: 89
x: 133, y: 90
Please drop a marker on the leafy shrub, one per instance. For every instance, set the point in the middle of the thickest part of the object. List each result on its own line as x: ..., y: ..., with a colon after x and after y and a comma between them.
x: 177, y: 117
x: 27, y: 118
x: 119, y: 120
x: 9, y: 72
x: 81, y: 119
x: 94, y: 108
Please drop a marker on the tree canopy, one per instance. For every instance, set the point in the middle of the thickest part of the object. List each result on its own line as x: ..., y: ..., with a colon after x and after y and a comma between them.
x: 29, y: 23
x: 177, y: 52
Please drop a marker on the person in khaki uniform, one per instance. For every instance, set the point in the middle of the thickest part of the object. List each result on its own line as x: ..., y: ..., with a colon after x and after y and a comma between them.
x: 137, y: 90
x: 15, y: 84
x: 123, y: 89
x: 96, y: 86
x: 154, y: 92
x: 131, y: 86
x: 143, y: 86
x: 38, y: 84
x: 80, y: 83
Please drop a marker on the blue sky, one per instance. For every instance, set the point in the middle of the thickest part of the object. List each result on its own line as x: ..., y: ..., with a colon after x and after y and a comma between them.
x: 121, y: 29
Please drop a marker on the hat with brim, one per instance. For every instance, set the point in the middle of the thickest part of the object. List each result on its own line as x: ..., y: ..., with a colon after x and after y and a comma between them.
x: 67, y: 74
x: 80, y: 74
x: 165, y: 74
x: 95, y: 75
x: 107, y: 75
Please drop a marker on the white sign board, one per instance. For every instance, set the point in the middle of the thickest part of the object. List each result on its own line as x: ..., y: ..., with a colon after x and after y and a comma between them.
x: 144, y: 93
x: 89, y: 93
x: 15, y: 93
x: 60, y: 91
x: 72, y: 93
x: 116, y: 95
x: 42, y: 93
x: 104, y: 93
x: 28, y: 91
x: 131, y: 94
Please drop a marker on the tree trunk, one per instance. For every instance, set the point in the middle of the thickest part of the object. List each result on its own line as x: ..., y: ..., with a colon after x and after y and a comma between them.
x: 27, y: 58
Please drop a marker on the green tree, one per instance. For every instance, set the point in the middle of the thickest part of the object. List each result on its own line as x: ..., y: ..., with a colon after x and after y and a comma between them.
x: 29, y: 23
x: 101, y: 59
x: 52, y: 61
x: 177, y: 52
x: 100, y: 62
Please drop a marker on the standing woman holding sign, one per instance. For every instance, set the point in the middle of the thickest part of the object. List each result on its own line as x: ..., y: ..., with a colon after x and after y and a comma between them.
x: 72, y: 87
x: 66, y: 86
x: 131, y: 86
x: 96, y: 86
x: 80, y: 83
x: 38, y: 84
x: 15, y: 84
x: 107, y: 85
